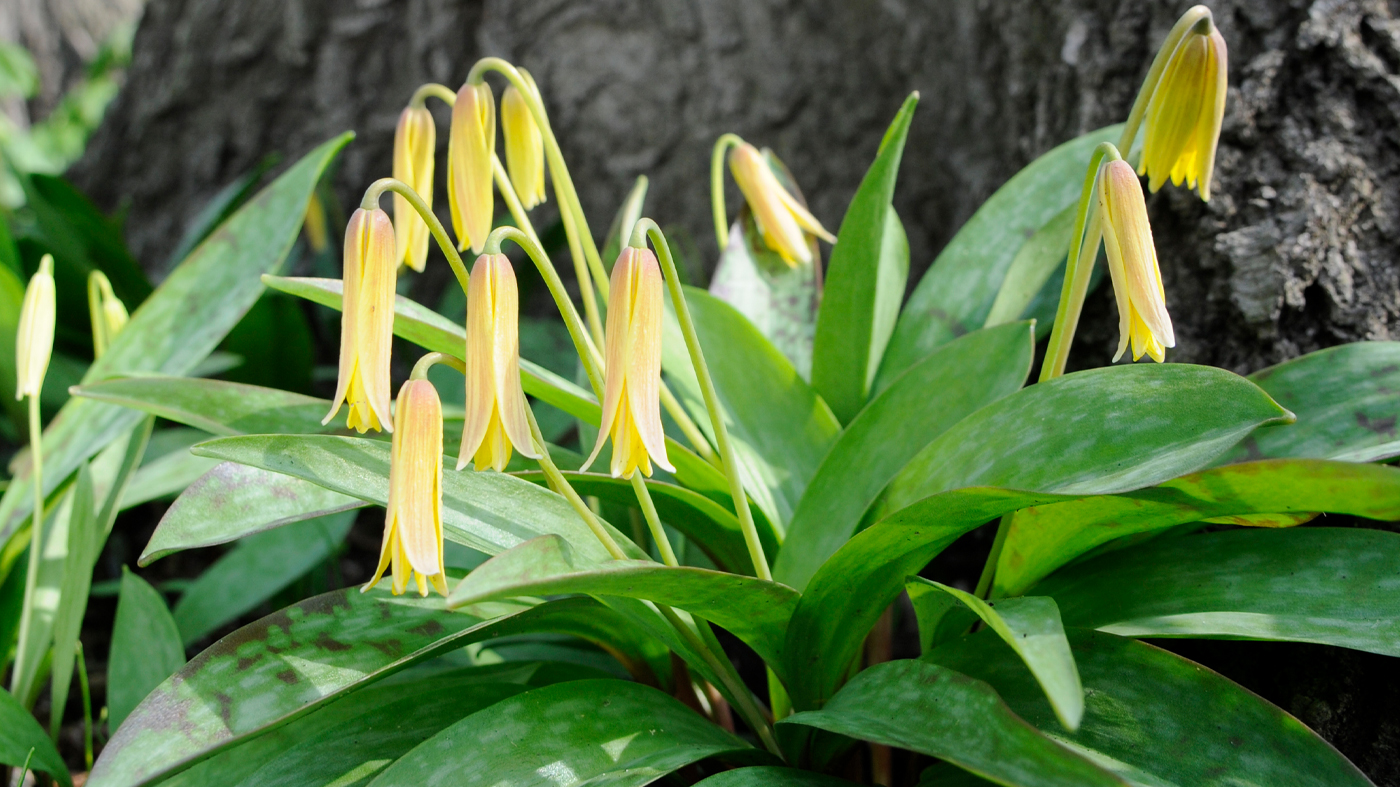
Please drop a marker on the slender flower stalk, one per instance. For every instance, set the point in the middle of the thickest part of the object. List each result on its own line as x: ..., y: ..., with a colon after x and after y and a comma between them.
x: 367, y: 320
x: 524, y: 143
x: 415, y: 142
x: 631, y: 404
x: 495, y: 406
x: 470, y: 150
x: 33, y: 348
x: 106, y: 312
x: 412, y: 548
x: 783, y: 222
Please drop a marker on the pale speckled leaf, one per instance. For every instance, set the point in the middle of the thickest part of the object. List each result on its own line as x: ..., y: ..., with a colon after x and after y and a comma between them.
x: 217, y: 407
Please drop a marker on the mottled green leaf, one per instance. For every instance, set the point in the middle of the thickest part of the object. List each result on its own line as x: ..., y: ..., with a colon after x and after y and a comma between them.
x: 1034, y: 265
x: 20, y: 734
x: 771, y: 776
x: 146, y: 648
x: 865, y: 281
x: 931, y: 397
x: 215, y: 406
x: 921, y: 706
x: 956, y: 294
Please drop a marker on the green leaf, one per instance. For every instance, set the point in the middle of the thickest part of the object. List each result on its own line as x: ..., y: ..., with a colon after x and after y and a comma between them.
x: 1032, y: 268
x: 82, y: 240
x: 218, y: 283
x: 1100, y: 431
x: 1346, y: 401
x: 275, y: 342
x: 958, y: 291
x: 33, y: 647
x: 771, y: 776
x: 932, y: 396
x: 933, y: 710
x: 254, y: 571
x: 865, y: 281
x: 705, y: 523
x: 489, y: 511
x: 146, y: 648
x: 19, y: 76
x: 751, y: 609
x: 607, y: 731
x: 1334, y: 586
x: 779, y: 428
x: 627, y: 214
x: 216, y: 406
x: 431, y: 331
x: 232, y: 501
x: 294, y: 662
x: 1031, y: 626
x: 1157, y: 719
x: 11, y: 299
x: 170, y: 473
x: 1043, y: 538
x: 20, y: 734
x: 217, y: 210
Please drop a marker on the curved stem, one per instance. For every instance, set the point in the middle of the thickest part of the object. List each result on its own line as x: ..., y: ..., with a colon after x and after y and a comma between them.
x: 561, y: 485
x: 592, y: 363
x: 646, y: 227
x: 1078, y: 265
x: 420, y: 369
x: 722, y: 145
x: 1193, y: 16
x: 443, y: 93
x: 658, y: 533
x: 24, y: 671
x: 563, y: 183
x: 371, y: 201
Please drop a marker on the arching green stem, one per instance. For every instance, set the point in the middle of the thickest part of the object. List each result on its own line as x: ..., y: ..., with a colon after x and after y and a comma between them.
x: 1078, y: 267
x: 432, y: 90
x: 371, y: 201
x: 420, y: 369
x: 722, y: 145
x: 646, y: 227
x: 1196, y: 15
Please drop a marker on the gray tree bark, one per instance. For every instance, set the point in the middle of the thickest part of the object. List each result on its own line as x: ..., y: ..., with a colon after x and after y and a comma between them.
x: 1297, y: 250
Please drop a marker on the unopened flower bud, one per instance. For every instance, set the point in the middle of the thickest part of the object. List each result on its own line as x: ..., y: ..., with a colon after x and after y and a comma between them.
x: 34, y: 338
x: 495, y: 405
x: 781, y: 219
x: 470, y: 151
x: 1132, y: 264
x: 415, y: 142
x: 524, y: 147
x: 367, y: 321
x: 106, y: 312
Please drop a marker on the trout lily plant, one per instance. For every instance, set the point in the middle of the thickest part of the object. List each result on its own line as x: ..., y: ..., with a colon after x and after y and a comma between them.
x: 771, y: 466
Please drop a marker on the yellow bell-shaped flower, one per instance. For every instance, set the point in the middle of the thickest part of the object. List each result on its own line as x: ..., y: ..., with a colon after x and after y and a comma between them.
x: 34, y: 336
x: 470, y: 151
x: 495, y: 406
x: 413, y: 517
x: 524, y: 146
x: 1132, y: 264
x: 367, y: 321
x: 415, y: 142
x: 1185, y: 112
x: 106, y: 312
x: 781, y: 219
x: 631, y: 404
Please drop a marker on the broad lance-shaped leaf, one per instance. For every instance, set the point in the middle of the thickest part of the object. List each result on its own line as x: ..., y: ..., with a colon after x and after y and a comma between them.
x: 751, y: 609
x: 956, y: 294
x: 215, y: 406
x: 1096, y: 432
x: 771, y: 776
x: 232, y: 501
x: 592, y: 731
x: 1334, y: 586
x: 255, y: 570
x: 1031, y: 626
x: 218, y: 282
x: 1348, y: 403
x: 31, y: 651
x: 294, y: 662
x: 20, y: 734
x: 706, y: 524
x: 432, y: 331
x: 489, y: 512
x: 778, y: 426
x: 1157, y: 719
x: 865, y: 281
x: 1031, y: 271
x: 936, y: 393
x: 146, y: 647
x: 1043, y: 538
x: 918, y: 705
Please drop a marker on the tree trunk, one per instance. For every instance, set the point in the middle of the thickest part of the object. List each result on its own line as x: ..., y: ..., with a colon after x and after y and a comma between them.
x: 1296, y: 251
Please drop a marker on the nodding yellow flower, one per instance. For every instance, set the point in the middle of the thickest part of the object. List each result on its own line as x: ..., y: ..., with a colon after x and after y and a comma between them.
x: 315, y: 224
x: 631, y: 407
x: 413, y: 517
x: 781, y: 218
x: 1132, y: 263
x: 415, y: 141
x: 367, y: 321
x: 34, y: 337
x: 495, y: 406
x: 524, y: 146
x: 470, y: 151
x: 106, y: 312
x: 1184, y: 114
